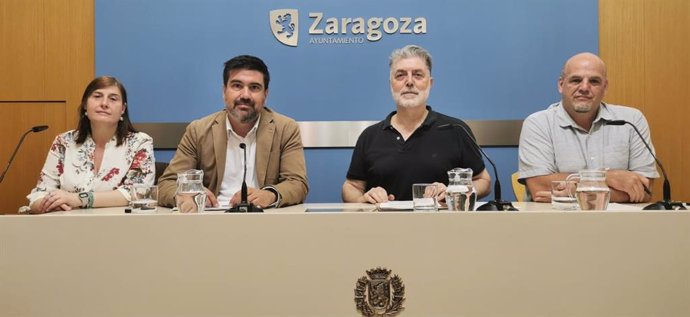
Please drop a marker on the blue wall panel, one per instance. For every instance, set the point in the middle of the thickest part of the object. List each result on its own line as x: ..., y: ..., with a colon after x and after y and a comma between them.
x: 495, y: 59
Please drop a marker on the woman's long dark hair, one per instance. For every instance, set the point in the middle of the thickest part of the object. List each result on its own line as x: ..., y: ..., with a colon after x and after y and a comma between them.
x: 124, y: 127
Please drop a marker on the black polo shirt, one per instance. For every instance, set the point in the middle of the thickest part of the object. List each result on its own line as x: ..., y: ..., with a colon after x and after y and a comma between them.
x: 382, y: 158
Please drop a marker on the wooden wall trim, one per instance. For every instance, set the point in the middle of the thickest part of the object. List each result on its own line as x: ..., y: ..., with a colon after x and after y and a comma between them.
x: 47, y: 58
x: 646, y: 45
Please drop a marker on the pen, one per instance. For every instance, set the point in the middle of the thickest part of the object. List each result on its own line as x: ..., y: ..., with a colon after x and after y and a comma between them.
x: 646, y: 190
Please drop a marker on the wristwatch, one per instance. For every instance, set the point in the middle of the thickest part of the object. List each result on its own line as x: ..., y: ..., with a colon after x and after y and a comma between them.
x: 275, y: 192
x: 84, y: 198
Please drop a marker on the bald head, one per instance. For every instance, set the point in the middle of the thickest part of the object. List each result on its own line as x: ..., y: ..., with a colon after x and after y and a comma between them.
x: 582, y: 86
x: 584, y: 60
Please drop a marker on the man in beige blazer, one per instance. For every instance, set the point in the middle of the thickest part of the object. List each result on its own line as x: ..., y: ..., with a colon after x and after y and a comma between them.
x: 276, y: 172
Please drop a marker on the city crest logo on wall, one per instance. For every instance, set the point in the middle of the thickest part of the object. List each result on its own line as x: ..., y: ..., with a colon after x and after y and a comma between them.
x: 324, y: 29
x: 377, y: 294
x: 285, y: 25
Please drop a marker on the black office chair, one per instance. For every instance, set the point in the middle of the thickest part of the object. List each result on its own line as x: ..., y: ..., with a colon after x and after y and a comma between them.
x: 160, y: 168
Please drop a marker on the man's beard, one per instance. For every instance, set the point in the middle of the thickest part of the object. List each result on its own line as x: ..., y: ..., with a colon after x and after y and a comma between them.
x: 582, y: 107
x: 250, y: 116
x: 420, y: 99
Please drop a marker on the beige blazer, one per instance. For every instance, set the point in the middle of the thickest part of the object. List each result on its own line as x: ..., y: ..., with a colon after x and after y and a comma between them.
x: 279, y: 156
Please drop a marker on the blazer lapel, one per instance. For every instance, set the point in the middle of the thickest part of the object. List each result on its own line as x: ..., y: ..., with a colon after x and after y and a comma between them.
x: 220, y: 147
x: 264, y: 143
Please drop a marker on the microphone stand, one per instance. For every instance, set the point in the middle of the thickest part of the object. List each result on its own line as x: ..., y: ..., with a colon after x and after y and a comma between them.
x: 666, y: 203
x: 244, y: 205
x: 37, y: 128
x: 497, y: 204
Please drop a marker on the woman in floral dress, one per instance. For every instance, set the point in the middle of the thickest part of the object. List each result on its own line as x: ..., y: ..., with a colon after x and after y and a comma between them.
x: 96, y: 164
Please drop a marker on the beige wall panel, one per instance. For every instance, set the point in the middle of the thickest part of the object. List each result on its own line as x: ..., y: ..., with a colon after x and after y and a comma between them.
x: 646, y: 47
x: 22, y: 176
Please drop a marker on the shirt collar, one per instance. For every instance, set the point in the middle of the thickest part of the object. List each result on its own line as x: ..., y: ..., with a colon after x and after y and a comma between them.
x: 604, y: 114
x: 251, y: 133
x: 564, y: 119
x: 428, y: 121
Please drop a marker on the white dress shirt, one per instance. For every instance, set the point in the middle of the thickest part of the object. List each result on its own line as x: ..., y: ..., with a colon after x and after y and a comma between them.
x: 234, y: 163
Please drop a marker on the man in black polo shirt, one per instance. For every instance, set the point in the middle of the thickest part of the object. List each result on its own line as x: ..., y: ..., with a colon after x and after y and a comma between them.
x: 413, y: 144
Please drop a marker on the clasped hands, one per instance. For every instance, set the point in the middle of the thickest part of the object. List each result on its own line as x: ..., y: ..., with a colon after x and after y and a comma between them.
x: 633, y: 184
x: 57, y: 200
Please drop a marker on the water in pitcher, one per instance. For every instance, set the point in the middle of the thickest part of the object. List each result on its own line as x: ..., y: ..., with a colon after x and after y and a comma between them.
x: 460, y: 194
x: 195, y: 201
x: 592, y: 199
x: 190, y: 195
x: 461, y: 198
x: 592, y: 192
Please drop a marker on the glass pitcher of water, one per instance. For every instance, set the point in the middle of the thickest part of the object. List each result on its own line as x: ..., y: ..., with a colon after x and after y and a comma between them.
x: 190, y: 195
x: 592, y: 193
x: 460, y: 194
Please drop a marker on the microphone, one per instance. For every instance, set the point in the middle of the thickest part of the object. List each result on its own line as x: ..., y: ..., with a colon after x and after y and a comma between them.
x: 243, y: 193
x: 494, y: 205
x: 666, y: 203
x: 37, y: 128
x: 244, y: 205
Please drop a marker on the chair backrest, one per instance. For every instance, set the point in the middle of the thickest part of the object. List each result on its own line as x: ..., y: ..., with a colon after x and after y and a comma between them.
x: 160, y: 168
x: 518, y: 189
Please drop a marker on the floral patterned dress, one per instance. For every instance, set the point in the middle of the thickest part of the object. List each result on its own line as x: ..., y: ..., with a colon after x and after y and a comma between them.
x: 70, y: 166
